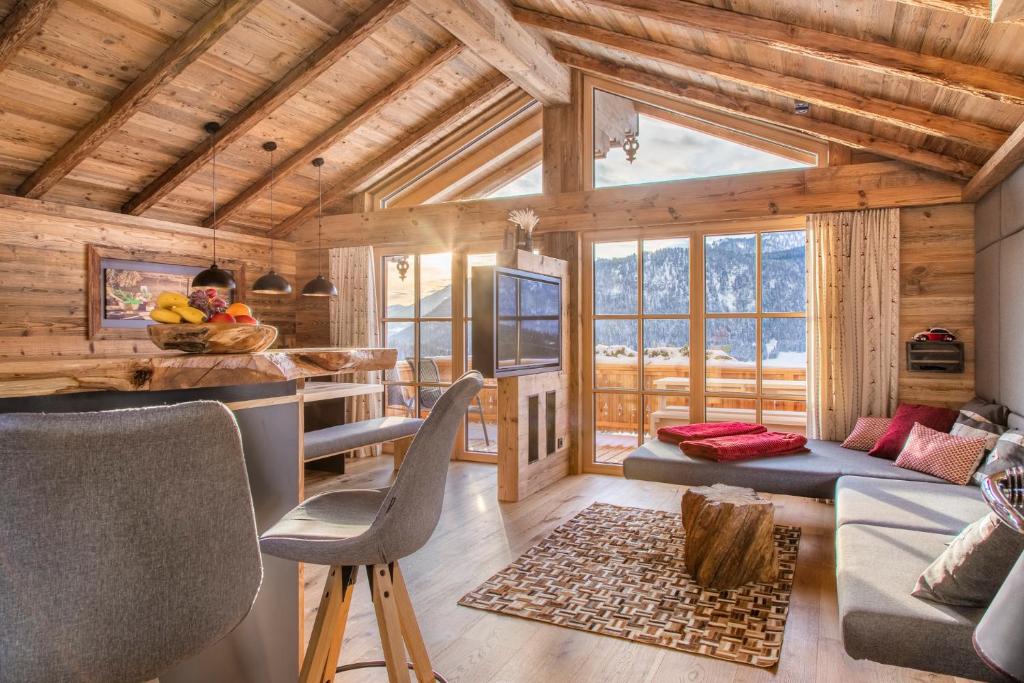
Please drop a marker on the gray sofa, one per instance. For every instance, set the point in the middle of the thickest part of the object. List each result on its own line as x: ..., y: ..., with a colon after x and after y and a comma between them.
x: 891, y: 523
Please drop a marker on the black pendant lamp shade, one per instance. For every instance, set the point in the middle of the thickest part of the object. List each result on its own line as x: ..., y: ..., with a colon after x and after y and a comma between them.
x: 214, y: 276
x: 319, y: 286
x: 271, y: 282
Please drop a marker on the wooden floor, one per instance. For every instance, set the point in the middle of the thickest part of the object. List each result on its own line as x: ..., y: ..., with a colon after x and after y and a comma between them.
x: 477, y: 536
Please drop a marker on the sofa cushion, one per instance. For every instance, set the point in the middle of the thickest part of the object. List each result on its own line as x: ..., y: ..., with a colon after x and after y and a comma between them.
x: 812, y: 474
x: 1009, y: 452
x: 882, y: 621
x: 907, y: 414
x: 867, y: 432
x: 917, y: 505
x: 979, y: 419
x: 954, y: 458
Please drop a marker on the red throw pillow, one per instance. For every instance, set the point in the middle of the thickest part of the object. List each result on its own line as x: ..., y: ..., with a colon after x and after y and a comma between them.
x: 867, y: 432
x: 953, y: 458
x: 891, y: 443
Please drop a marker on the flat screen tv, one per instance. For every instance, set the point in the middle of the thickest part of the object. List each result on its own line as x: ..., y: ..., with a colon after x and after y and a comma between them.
x: 517, y: 322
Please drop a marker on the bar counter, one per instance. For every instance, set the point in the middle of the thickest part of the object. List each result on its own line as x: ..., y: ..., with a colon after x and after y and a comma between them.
x: 264, y: 390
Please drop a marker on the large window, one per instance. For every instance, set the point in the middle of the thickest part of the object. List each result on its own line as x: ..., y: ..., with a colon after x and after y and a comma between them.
x: 693, y: 327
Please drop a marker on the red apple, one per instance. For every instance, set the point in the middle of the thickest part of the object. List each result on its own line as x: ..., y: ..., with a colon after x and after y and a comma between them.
x: 246, y: 320
x: 222, y: 318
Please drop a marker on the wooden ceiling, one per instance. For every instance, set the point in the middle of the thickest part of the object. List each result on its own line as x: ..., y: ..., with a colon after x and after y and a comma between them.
x: 102, y: 102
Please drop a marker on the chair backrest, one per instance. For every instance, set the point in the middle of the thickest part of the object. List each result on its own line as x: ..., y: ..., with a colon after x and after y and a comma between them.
x: 412, y: 507
x: 127, y: 540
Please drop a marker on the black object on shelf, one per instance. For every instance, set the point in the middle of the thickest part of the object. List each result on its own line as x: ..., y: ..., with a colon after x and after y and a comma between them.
x: 933, y: 356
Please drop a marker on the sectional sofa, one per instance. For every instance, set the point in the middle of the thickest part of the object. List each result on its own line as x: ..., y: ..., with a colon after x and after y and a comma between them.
x: 891, y: 523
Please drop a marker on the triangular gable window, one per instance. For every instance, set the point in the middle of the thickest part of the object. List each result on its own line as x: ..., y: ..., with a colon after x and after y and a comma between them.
x: 526, y: 184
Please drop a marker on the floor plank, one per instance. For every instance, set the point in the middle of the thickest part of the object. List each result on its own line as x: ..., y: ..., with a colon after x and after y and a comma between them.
x: 477, y: 536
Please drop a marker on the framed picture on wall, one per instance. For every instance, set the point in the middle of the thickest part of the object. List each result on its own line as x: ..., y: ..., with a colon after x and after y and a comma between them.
x: 123, y: 286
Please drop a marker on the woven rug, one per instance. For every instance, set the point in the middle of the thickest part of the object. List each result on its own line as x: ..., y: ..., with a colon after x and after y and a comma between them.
x: 619, y: 571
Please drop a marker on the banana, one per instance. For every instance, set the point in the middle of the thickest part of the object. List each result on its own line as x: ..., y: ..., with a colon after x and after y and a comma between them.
x: 171, y: 300
x: 163, y: 316
x: 192, y: 315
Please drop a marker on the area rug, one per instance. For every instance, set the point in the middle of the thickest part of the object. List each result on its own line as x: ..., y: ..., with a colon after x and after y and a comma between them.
x: 619, y: 571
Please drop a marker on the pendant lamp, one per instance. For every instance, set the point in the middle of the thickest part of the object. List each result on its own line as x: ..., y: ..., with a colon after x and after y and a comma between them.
x: 271, y: 282
x: 319, y: 286
x: 214, y: 276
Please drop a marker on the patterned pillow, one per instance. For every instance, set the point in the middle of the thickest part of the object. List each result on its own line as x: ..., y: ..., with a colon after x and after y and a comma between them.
x: 1009, y: 452
x: 907, y: 414
x: 866, y: 433
x: 972, y: 423
x: 949, y: 457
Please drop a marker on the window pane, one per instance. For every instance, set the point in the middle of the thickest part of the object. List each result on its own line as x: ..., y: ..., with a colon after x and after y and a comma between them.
x: 399, y: 286
x: 436, y: 285
x: 784, y: 357
x: 667, y: 276
x: 429, y: 396
x: 615, y: 278
x: 401, y: 336
x: 730, y: 409
x: 730, y: 273
x: 667, y: 355
x: 435, y: 352
x: 731, y: 344
x: 615, y: 361
x: 784, y: 416
x: 472, y: 261
x: 482, y: 422
x: 783, y: 274
x: 615, y: 431
x: 665, y: 411
x: 399, y: 400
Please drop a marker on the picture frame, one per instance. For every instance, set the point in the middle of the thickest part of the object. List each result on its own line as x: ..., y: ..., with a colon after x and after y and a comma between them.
x: 122, y: 286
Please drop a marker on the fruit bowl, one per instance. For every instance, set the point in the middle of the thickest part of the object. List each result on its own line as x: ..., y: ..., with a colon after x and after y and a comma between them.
x: 213, y: 337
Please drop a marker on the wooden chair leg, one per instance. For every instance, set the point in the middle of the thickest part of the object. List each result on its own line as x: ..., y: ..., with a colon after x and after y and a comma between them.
x: 401, y: 447
x: 329, y: 627
x: 389, y: 624
x: 411, y: 629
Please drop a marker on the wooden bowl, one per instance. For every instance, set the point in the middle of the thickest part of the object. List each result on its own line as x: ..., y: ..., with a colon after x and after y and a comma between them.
x: 213, y: 337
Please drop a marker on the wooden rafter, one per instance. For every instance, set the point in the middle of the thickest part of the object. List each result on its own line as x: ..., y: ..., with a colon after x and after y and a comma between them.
x: 972, y: 8
x: 487, y: 28
x: 19, y: 24
x: 338, y: 131
x: 1005, y: 161
x: 399, y: 154
x: 1007, y: 10
x: 762, y: 112
x: 910, y: 118
x: 192, y: 45
x: 300, y: 75
x: 834, y: 48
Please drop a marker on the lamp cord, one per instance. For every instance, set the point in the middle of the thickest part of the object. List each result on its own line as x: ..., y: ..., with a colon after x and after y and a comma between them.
x: 319, y: 221
x: 214, y: 186
x: 271, y: 211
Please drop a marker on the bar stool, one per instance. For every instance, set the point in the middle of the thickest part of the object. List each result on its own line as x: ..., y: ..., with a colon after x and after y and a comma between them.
x: 127, y: 541
x: 375, y: 529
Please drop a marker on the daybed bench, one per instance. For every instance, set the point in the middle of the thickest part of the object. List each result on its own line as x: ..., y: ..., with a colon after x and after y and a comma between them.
x: 891, y: 523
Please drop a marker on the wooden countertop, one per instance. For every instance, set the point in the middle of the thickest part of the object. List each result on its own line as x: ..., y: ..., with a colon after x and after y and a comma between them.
x: 43, y: 377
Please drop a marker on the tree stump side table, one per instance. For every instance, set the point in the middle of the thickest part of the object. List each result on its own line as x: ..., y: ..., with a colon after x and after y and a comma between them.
x: 729, y: 536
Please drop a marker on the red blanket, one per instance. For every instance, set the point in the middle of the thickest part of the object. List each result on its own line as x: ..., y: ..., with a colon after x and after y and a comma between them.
x: 746, y: 446
x: 707, y: 430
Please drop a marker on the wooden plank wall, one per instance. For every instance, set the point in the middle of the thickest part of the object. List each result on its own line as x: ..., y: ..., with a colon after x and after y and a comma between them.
x: 43, y: 273
x: 937, y: 290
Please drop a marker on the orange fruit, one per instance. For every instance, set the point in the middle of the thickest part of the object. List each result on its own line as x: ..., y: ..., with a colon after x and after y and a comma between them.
x: 238, y: 309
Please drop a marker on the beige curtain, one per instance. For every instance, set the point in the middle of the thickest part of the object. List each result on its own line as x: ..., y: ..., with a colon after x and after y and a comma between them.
x: 853, y: 260
x: 354, y: 322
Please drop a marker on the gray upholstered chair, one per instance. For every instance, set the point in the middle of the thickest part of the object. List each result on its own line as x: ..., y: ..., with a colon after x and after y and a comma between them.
x: 127, y: 541
x: 375, y: 529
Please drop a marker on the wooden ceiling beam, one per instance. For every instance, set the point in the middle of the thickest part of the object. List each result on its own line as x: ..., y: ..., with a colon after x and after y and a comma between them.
x: 297, y: 78
x: 192, y: 45
x: 965, y: 79
x: 415, y: 143
x: 1007, y: 10
x: 978, y: 9
x: 338, y: 131
x: 1000, y: 165
x: 883, y: 111
x: 23, y: 20
x: 768, y: 114
x: 487, y: 28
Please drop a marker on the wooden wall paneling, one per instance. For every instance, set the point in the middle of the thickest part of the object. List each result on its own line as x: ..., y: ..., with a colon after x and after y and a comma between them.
x: 566, y: 246
x: 1000, y: 165
x: 181, y: 53
x: 489, y: 30
x: 937, y: 290
x: 43, y: 256
x: 875, y: 109
x: 19, y: 24
x: 761, y: 112
x: 297, y: 78
x: 312, y: 313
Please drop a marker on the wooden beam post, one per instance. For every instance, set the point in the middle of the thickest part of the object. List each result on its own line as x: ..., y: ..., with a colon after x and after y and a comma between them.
x: 300, y: 75
x: 488, y: 29
x: 19, y: 24
x: 563, y: 143
x: 1005, y: 161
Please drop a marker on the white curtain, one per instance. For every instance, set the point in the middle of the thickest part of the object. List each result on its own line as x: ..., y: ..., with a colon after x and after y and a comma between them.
x: 354, y: 323
x: 853, y: 262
